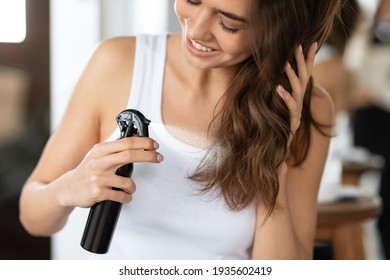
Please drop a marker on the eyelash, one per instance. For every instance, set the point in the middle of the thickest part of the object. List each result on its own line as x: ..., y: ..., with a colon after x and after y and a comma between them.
x: 193, y: 3
x: 227, y: 29
x: 221, y: 23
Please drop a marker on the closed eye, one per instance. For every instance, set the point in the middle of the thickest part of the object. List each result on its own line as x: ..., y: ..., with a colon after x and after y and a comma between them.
x: 194, y: 3
x: 227, y: 29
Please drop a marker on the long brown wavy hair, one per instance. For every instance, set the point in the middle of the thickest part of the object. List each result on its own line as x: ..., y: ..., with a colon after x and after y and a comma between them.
x: 254, y: 123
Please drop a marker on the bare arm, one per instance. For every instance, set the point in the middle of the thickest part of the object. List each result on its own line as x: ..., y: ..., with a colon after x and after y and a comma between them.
x: 289, y: 232
x: 75, y: 169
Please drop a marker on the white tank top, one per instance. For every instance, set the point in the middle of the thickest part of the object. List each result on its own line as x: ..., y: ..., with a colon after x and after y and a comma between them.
x: 168, y: 218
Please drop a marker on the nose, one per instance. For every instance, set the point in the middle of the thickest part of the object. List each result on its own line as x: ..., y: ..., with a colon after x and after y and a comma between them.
x: 199, y: 26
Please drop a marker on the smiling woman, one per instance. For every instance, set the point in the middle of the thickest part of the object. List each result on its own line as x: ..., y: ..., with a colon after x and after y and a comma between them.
x: 12, y: 21
x: 201, y: 21
x: 238, y: 136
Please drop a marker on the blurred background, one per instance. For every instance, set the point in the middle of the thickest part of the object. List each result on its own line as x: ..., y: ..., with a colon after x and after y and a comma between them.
x: 39, y: 67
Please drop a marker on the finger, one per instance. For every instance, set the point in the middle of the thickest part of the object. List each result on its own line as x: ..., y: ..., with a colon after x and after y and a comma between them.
x: 301, y: 65
x: 292, y: 105
x: 138, y: 142
x: 295, y: 83
x: 119, y: 196
x: 123, y: 183
x: 311, y: 57
x: 116, y: 160
x: 288, y: 99
x: 124, y: 144
x: 113, y: 187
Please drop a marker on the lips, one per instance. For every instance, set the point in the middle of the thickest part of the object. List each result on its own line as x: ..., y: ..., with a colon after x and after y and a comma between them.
x: 200, y: 47
x: 199, y: 50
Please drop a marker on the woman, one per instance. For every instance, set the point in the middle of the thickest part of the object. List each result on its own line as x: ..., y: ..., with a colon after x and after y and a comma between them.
x: 238, y: 179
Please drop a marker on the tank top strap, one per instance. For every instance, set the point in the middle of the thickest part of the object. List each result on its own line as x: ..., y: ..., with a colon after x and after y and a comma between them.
x: 148, y: 71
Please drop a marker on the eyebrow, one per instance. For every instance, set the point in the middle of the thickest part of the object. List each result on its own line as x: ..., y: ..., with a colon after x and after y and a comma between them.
x: 232, y: 16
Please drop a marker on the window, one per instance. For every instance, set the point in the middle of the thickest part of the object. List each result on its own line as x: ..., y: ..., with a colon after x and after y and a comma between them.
x: 12, y: 21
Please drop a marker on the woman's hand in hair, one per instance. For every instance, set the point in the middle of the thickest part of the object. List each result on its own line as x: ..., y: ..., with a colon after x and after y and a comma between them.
x: 298, y: 82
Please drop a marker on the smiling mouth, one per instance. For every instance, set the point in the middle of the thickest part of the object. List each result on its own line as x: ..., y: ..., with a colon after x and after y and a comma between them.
x: 200, y: 47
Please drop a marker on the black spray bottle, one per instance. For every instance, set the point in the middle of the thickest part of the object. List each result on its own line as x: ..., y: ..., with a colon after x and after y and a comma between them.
x: 104, y: 215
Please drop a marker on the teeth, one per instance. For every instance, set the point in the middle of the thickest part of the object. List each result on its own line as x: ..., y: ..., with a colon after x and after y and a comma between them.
x: 200, y: 47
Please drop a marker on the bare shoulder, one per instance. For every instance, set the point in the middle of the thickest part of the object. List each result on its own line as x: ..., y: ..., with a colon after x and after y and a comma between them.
x: 333, y: 75
x: 114, y: 50
x: 331, y: 70
x: 322, y: 106
x: 111, y: 61
x: 108, y: 78
x: 99, y: 94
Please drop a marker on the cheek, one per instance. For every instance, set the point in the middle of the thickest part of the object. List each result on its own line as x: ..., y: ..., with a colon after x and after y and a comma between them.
x: 238, y: 46
x: 180, y: 9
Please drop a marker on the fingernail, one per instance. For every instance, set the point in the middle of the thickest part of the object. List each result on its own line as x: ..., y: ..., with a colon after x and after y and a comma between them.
x: 156, y: 145
x: 160, y: 158
x: 288, y: 64
x: 300, y: 48
x: 281, y: 89
x: 316, y: 45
